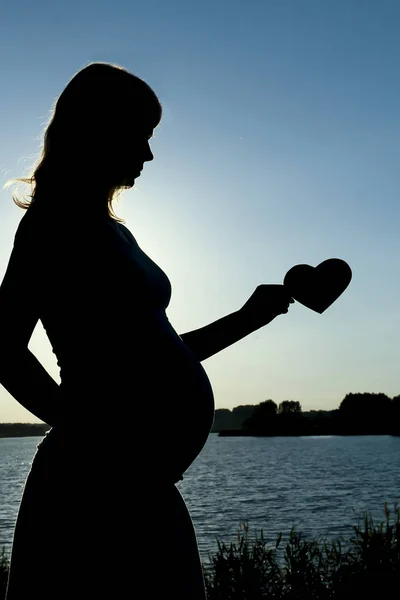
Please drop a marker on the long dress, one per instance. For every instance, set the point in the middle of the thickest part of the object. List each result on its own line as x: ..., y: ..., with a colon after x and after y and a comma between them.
x: 101, y: 516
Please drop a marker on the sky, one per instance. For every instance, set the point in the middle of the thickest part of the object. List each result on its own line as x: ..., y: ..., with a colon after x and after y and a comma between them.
x: 279, y: 145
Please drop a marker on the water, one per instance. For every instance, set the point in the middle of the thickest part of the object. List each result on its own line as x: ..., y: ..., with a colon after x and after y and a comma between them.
x: 319, y: 484
x: 15, y: 457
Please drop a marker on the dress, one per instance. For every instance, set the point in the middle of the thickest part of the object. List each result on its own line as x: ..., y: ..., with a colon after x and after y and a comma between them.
x: 101, y: 515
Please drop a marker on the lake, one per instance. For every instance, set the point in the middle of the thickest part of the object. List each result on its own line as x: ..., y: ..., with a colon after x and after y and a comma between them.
x: 319, y: 484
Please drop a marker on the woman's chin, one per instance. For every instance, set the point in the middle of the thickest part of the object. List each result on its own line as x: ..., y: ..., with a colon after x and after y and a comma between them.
x: 129, y: 182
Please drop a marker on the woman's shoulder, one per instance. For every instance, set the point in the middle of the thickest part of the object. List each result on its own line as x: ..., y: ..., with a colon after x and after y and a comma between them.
x: 50, y: 226
x: 72, y: 241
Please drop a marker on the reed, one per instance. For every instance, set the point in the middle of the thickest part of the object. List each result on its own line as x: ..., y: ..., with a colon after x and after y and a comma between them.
x: 4, y: 565
x: 366, y: 564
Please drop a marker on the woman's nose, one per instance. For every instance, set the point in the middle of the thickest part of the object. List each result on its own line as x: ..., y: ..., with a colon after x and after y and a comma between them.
x: 149, y: 154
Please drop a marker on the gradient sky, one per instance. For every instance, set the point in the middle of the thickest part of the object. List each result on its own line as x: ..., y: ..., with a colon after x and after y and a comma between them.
x: 279, y: 145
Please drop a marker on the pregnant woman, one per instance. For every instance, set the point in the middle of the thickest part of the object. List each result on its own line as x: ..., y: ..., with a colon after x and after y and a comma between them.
x: 100, y: 514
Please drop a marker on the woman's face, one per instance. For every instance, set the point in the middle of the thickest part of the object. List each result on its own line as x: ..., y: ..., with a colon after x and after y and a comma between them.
x: 135, y: 153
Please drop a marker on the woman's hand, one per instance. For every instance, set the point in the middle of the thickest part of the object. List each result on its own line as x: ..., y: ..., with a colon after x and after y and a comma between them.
x: 266, y: 303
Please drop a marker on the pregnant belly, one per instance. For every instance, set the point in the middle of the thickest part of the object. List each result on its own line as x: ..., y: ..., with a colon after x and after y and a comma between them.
x: 178, y: 399
x: 159, y: 398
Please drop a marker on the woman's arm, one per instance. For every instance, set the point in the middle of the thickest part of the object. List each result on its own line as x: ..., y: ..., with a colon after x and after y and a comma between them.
x: 217, y: 336
x: 21, y: 373
x: 266, y: 303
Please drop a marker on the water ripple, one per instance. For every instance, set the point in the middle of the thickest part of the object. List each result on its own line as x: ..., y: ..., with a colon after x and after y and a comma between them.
x: 319, y: 485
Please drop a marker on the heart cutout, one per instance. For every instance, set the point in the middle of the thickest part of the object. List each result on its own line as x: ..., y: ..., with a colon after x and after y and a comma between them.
x: 318, y: 287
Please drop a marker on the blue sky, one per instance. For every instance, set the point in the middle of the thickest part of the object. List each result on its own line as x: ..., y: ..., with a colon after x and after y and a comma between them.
x: 279, y: 145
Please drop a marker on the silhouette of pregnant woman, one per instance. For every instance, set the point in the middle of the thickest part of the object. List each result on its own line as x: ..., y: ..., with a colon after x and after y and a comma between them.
x: 100, y: 514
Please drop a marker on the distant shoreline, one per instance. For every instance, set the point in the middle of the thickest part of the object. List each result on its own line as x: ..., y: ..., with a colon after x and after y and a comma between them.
x: 11, y: 430
x: 245, y: 433
x: 17, y: 430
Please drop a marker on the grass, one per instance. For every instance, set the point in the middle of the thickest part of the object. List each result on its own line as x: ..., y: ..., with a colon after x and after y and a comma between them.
x: 365, y: 565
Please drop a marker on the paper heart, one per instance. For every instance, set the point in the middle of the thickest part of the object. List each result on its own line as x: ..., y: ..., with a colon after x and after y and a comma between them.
x: 318, y: 287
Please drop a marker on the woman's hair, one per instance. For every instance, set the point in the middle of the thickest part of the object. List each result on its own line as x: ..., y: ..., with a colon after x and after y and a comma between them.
x: 92, y: 124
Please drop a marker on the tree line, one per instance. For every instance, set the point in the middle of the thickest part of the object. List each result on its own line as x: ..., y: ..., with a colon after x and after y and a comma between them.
x: 358, y: 414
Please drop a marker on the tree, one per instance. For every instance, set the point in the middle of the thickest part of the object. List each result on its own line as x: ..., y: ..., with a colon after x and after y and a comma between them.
x: 241, y: 413
x: 395, y: 415
x: 268, y: 408
x: 223, y: 419
x: 396, y: 401
x: 263, y: 417
x: 367, y: 413
x: 289, y: 407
